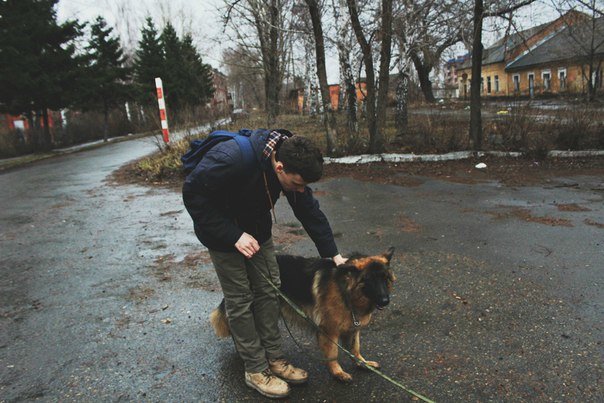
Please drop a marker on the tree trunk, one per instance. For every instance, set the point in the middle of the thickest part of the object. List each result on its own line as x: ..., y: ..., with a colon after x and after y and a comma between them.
x: 330, y: 118
x: 402, y: 102
x: 351, y: 104
x: 105, y: 122
x: 369, y: 100
x: 269, y: 40
x: 475, y: 112
x: 423, y: 73
x: 349, y: 98
x: 46, y: 139
x: 376, y: 144
x: 30, y: 137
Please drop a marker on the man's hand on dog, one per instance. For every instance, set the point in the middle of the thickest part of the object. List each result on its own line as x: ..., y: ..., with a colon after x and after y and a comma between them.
x: 247, y: 245
x: 338, y: 259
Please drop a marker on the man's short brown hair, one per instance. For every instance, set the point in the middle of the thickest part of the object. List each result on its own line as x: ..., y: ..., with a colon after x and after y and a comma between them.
x: 301, y: 156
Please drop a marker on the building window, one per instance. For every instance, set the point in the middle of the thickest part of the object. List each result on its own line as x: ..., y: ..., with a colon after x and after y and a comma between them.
x: 489, y: 85
x: 482, y: 85
x: 546, y: 77
x: 496, y: 83
x: 562, y: 79
x: 516, y: 79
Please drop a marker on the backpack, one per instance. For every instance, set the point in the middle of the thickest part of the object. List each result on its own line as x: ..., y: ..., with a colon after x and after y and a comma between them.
x: 200, y: 147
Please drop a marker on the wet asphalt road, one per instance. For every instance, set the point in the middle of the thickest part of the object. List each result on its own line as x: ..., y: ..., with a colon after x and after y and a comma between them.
x: 105, y: 291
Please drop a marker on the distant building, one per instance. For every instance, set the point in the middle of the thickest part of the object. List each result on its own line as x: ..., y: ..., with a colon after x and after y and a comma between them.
x: 12, y: 122
x: 451, y: 77
x: 296, y: 97
x: 221, y: 100
x: 548, y: 59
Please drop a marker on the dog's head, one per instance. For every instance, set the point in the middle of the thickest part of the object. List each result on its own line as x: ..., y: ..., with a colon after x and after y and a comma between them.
x: 374, y: 276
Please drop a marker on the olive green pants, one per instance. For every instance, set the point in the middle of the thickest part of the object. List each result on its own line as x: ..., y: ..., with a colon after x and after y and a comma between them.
x: 252, y: 305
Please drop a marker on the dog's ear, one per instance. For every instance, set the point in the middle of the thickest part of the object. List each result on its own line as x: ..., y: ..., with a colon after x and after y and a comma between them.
x: 389, y: 253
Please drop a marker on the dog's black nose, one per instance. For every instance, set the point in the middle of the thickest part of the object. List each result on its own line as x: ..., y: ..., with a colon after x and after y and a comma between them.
x: 383, y: 301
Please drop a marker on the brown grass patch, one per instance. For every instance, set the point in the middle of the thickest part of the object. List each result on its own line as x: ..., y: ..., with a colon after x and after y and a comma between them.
x: 139, y: 294
x: 594, y: 223
x: 525, y: 215
x: 571, y: 207
x: 193, y: 260
x: 408, y: 224
x: 510, y: 171
x: 288, y: 234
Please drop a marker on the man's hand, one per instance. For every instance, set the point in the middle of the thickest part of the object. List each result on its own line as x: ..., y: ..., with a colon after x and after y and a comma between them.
x: 247, y: 245
x: 338, y: 259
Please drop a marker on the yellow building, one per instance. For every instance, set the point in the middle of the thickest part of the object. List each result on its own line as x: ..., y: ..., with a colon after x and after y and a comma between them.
x: 552, y: 58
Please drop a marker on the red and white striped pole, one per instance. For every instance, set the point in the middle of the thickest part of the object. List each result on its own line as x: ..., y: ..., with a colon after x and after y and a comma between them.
x: 162, y: 110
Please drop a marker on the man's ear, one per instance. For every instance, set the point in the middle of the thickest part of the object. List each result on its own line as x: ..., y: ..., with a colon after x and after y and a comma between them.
x: 278, y: 166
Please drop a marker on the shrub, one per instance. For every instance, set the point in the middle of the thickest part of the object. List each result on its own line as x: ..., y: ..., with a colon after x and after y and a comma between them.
x: 574, y: 127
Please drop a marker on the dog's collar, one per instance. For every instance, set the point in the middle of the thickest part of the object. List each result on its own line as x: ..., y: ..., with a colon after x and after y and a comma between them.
x: 347, y: 301
x: 355, y: 322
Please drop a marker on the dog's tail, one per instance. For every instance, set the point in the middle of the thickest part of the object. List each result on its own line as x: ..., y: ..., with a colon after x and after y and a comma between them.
x: 219, y: 322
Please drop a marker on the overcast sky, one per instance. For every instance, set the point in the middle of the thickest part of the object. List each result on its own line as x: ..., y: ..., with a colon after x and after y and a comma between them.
x: 202, y: 19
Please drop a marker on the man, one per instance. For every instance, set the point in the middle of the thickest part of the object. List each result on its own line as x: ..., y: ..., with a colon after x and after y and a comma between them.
x: 230, y: 202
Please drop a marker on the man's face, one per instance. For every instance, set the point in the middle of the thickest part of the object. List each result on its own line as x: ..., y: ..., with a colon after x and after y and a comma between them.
x: 291, y: 182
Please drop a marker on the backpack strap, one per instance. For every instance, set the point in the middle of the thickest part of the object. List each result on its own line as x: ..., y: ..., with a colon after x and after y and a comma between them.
x: 200, y: 147
x: 245, y: 145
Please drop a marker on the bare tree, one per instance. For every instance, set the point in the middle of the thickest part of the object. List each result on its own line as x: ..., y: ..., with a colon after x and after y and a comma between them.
x: 406, y: 34
x: 347, y: 85
x: 245, y: 76
x: 263, y: 25
x: 584, y: 36
x: 497, y: 9
x: 329, y: 115
x: 439, y: 24
x: 376, y: 103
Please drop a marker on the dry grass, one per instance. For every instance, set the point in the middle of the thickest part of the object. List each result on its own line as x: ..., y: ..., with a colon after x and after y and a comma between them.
x: 436, y: 131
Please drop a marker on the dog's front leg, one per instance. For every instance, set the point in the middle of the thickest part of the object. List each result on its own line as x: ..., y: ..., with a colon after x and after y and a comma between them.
x: 330, y: 352
x: 356, y: 351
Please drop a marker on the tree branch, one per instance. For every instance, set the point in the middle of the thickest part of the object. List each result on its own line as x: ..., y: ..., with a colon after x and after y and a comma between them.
x: 508, y: 9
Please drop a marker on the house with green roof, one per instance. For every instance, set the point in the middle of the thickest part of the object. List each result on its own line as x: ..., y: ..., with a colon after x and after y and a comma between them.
x: 564, y: 56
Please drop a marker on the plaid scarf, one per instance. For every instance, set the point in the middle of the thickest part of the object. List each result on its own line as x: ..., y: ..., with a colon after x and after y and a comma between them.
x: 273, y: 141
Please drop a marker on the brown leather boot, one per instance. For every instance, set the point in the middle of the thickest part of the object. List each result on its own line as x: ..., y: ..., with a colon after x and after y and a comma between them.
x: 267, y: 384
x: 287, y: 371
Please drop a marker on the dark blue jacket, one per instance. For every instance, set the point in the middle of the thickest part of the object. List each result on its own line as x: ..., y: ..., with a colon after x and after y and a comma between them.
x: 226, y: 198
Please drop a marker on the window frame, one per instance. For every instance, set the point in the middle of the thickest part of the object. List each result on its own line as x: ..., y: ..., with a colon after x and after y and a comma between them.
x: 547, y: 87
x: 516, y: 82
x: 562, y: 83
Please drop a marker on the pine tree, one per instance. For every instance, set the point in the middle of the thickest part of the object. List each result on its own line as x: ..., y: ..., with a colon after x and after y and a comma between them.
x: 148, y: 63
x: 187, y: 81
x: 201, y: 86
x: 174, y: 72
x: 39, y: 69
x: 107, y: 79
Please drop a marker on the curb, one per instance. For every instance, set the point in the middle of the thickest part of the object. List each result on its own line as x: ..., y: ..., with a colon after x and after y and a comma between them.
x: 453, y: 156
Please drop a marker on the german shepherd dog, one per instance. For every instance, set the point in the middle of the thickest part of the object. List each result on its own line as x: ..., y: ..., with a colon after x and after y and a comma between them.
x: 339, y: 299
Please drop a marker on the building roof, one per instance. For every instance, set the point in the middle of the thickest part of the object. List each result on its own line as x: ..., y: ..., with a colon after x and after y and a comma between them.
x: 572, y: 42
x: 496, y: 52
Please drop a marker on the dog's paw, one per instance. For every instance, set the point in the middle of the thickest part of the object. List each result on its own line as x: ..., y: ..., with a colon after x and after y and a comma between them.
x: 372, y: 364
x: 343, y: 376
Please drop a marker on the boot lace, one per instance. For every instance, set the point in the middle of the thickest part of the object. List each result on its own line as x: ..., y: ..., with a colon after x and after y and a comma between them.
x: 268, y: 376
